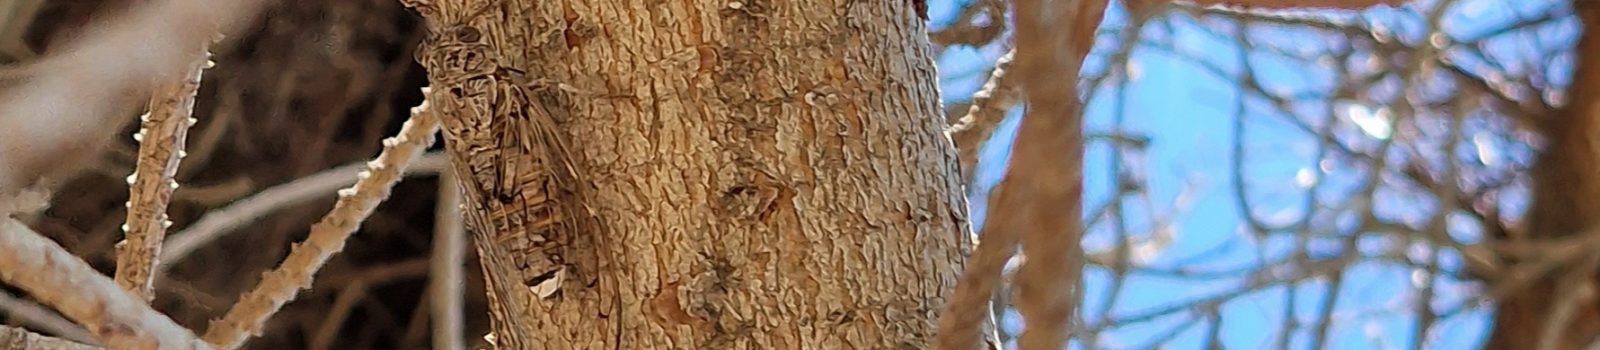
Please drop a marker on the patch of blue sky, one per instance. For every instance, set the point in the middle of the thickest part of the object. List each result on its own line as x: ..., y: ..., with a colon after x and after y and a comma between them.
x: 1183, y: 96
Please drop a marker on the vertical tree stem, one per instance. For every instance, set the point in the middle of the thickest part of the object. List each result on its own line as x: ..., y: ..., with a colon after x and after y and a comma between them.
x: 444, y: 277
x: 1044, y: 187
x: 162, y: 134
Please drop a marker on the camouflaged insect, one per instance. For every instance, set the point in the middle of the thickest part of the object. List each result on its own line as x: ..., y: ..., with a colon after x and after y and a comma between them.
x: 505, y: 130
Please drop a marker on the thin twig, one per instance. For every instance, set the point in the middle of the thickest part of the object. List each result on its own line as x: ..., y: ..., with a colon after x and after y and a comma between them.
x: 18, y: 338
x: 1447, y: 188
x: 381, y: 275
x: 43, y: 318
x: 220, y: 222
x: 1319, y: 334
x: 964, y: 32
x: 976, y: 288
x: 161, y: 137
x: 1575, y: 289
x: 444, y: 277
x: 57, y: 278
x: 222, y: 117
x: 989, y: 106
x: 337, y: 314
x: 63, y: 109
x: 328, y: 236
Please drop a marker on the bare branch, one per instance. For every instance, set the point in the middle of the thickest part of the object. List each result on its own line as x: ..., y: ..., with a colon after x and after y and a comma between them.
x: 59, y: 279
x: 444, y: 277
x: 989, y: 107
x: 1045, y: 204
x: 328, y: 236
x: 1575, y: 288
x: 964, y: 32
x: 162, y: 135
x: 220, y: 222
x: 21, y: 339
x: 1041, y: 196
x: 43, y: 318
x: 1563, y: 191
x: 338, y: 314
x: 70, y: 102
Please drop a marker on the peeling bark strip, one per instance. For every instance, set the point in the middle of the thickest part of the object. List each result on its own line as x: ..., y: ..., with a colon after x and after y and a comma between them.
x: 770, y: 174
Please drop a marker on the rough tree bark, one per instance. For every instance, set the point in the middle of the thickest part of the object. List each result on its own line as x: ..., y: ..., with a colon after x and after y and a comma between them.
x: 1566, y: 201
x: 700, y: 174
x: 18, y: 338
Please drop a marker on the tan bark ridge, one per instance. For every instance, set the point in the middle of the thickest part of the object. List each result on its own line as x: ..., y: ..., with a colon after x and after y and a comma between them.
x: 700, y: 174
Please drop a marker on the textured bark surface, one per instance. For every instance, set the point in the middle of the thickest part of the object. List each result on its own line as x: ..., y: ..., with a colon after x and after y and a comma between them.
x: 163, y: 135
x: 1566, y: 201
x: 18, y: 338
x: 700, y: 174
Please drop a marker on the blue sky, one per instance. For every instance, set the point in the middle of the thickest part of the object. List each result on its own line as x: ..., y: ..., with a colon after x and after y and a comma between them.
x: 1188, y: 115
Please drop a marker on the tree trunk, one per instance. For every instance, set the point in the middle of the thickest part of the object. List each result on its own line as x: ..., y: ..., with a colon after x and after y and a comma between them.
x: 700, y: 174
x: 1566, y: 201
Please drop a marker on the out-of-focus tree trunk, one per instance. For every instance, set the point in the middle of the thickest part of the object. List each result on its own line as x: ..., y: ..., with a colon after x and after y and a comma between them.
x: 703, y: 174
x: 1566, y: 201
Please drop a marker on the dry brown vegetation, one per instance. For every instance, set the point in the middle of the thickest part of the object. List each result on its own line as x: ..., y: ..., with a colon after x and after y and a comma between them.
x: 314, y: 87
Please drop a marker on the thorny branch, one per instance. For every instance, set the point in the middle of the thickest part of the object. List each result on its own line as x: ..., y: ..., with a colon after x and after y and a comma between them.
x: 53, y: 106
x: 162, y: 135
x: 59, y: 279
x: 327, y: 236
x: 61, y: 110
x: 222, y: 221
